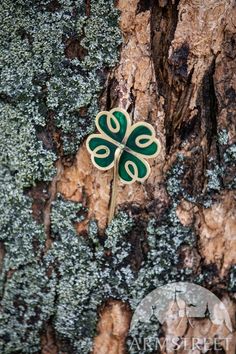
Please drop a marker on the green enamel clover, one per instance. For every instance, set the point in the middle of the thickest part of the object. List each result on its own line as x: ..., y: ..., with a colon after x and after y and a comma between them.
x: 122, y: 144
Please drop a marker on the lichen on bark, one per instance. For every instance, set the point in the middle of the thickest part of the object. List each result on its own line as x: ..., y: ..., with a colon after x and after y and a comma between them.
x: 67, y: 278
x: 54, y: 60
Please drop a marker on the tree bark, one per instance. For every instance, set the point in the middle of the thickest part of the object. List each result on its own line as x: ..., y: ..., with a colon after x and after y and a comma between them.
x: 176, y: 71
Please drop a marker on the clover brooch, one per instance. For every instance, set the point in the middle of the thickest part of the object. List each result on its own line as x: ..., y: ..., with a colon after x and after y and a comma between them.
x: 122, y: 146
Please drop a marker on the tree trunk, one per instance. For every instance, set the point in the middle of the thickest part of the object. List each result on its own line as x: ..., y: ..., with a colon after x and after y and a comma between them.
x: 67, y: 291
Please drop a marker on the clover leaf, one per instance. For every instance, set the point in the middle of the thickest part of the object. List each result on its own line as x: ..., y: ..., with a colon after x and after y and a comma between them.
x: 135, y: 143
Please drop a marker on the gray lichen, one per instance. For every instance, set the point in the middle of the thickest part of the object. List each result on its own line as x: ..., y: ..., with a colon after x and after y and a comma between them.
x: 22, y: 153
x: 214, y: 176
x: 222, y: 137
x: 219, y: 175
x: 91, y: 271
x: 86, y: 274
x: 232, y: 279
x: 52, y: 72
x: 161, y: 266
x: 27, y: 303
x: 78, y: 278
x: 53, y: 57
x: 41, y: 67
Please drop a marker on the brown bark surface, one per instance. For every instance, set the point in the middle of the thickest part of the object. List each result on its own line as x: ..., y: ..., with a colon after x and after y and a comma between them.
x: 176, y: 71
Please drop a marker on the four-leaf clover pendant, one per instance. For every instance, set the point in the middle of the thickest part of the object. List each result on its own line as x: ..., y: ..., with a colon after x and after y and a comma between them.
x: 122, y: 146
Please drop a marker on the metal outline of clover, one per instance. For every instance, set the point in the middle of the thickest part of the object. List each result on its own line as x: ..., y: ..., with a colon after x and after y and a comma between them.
x: 135, y: 142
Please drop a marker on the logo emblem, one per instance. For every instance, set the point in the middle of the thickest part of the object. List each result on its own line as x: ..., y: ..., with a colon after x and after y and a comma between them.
x: 184, y: 316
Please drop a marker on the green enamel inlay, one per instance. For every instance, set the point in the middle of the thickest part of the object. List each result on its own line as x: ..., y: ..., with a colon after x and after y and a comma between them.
x: 142, y: 168
x: 102, y: 121
x: 127, y: 140
x: 103, y: 161
x: 140, y: 130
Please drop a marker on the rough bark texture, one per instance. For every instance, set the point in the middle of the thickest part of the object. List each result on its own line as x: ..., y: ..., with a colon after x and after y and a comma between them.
x: 187, y: 45
x: 176, y: 70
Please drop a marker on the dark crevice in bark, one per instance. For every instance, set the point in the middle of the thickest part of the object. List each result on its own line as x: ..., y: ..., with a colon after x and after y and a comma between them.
x: 181, y: 111
x: 164, y: 18
x: 187, y: 128
x: 179, y: 62
x: 74, y: 49
x: 226, y: 99
x: 87, y: 7
x: 110, y: 94
x: 143, y: 6
x: 131, y: 106
x: 209, y: 104
x: 42, y: 193
x: 47, y: 210
x: 137, y: 237
x: 211, y: 275
x: 53, y: 6
x: 49, y: 341
x: 39, y: 195
x: 138, y: 240
x: 209, y: 118
x: 163, y: 26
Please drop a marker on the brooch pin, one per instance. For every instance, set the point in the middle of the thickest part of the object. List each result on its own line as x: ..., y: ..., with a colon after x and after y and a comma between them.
x: 122, y: 146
